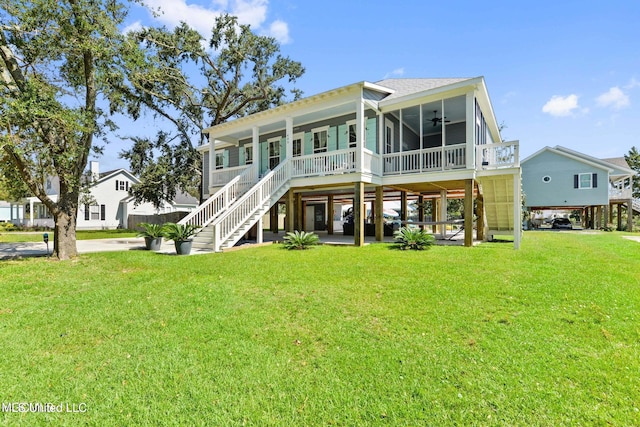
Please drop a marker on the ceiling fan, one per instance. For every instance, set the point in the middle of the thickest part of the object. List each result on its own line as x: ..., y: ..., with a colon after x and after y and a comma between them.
x: 437, y: 119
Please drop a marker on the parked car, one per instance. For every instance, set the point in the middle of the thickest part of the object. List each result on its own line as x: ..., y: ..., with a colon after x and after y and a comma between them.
x: 561, y: 223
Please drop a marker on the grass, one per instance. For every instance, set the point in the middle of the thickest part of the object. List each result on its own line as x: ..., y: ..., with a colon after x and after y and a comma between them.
x: 21, y: 237
x: 546, y: 335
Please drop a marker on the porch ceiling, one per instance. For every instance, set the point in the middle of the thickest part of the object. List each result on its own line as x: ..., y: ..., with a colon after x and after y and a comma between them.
x: 299, y: 119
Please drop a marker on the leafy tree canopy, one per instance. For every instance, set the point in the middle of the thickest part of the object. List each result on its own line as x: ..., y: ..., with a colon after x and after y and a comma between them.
x: 633, y: 160
x: 194, y: 85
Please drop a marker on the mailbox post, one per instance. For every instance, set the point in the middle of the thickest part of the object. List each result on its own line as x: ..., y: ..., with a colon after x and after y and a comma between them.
x: 45, y: 237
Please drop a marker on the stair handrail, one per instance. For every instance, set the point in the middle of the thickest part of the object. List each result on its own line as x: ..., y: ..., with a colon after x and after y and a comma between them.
x: 217, y: 203
x: 235, y: 216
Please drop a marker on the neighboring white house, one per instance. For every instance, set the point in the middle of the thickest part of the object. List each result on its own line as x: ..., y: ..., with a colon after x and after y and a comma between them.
x: 561, y: 178
x: 108, y: 206
x: 365, y: 144
x: 9, y: 211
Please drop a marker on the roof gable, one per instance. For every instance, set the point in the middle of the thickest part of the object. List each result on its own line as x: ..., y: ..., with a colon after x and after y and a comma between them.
x: 570, y: 154
x: 404, y: 87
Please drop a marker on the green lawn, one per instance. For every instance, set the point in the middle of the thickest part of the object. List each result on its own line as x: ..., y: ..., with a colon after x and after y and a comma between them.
x: 20, y: 237
x: 547, y: 335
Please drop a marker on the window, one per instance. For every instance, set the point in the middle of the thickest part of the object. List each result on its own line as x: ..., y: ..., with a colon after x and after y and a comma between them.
x: 320, y: 140
x: 585, y: 180
x: 122, y: 185
x: 546, y: 179
x: 274, y: 152
x: 248, y: 154
x: 388, y: 136
x: 351, y: 131
x: 95, y: 212
x: 219, y: 160
x: 297, y: 146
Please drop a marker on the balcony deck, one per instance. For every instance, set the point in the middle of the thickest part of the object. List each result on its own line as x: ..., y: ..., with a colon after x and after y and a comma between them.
x: 488, y: 157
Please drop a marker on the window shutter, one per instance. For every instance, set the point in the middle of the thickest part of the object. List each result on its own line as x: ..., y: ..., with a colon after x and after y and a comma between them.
x: 86, y: 212
x: 102, y: 213
x: 575, y: 181
x: 127, y: 185
x: 594, y: 180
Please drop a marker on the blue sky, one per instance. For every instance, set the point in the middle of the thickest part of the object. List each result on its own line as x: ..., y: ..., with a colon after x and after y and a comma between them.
x: 558, y: 72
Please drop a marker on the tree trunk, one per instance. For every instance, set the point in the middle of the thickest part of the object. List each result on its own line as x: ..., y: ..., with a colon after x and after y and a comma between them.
x: 64, y: 246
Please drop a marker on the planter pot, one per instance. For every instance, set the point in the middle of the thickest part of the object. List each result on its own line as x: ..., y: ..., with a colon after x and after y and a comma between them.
x: 153, y: 243
x: 183, y: 247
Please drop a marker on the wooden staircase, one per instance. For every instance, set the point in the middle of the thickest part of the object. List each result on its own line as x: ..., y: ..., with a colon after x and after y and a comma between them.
x: 229, y: 227
x: 498, y: 191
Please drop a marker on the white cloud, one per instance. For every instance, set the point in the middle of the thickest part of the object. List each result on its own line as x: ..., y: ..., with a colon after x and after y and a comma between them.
x: 633, y: 83
x: 249, y: 12
x: 560, y: 106
x: 614, y: 98
x: 280, y: 31
x: 136, y: 26
x: 398, y: 72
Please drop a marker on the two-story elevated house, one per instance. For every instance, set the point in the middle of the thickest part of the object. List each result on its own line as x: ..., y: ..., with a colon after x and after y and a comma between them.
x: 428, y: 140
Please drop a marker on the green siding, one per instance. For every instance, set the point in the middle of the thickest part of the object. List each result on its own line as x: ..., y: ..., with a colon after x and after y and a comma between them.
x: 308, y: 143
x: 343, y: 137
x: 332, y: 139
x: 264, y: 156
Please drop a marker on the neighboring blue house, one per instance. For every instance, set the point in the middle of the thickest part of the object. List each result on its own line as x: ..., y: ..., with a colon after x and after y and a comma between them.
x: 560, y: 178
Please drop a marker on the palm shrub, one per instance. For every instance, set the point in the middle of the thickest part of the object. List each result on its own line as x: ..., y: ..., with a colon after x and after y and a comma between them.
x: 413, y: 238
x: 180, y: 232
x: 300, y: 240
x: 151, y: 230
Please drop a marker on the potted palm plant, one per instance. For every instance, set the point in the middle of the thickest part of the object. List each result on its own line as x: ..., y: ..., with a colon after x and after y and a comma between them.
x: 152, y: 234
x: 181, y: 234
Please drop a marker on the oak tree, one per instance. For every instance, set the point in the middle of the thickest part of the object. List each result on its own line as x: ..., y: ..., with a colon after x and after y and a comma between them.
x: 193, y: 85
x: 57, y: 61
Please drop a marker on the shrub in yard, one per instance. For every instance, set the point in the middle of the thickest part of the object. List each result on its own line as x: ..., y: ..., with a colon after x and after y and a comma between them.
x: 413, y: 238
x: 607, y: 227
x: 300, y: 240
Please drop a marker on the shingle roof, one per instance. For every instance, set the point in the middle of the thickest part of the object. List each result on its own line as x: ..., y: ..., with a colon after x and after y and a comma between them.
x: 618, y: 161
x: 403, y: 87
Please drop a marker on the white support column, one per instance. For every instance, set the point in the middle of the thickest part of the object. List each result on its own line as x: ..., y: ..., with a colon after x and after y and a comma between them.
x: 289, y: 137
x: 259, y: 231
x: 517, y: 210
x: 470, y: 131
x: 212, y: 164
x: 360, y: 130
x: 421, y: 141
x: 443, y: 213
x: 381, y: 143
x: 400, y: 144
x: 255, y: 147
x: 31, y: 212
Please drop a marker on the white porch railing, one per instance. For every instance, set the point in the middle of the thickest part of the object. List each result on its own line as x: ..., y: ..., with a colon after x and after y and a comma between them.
x: 329, y: 163
x: 222, y: 199
x: 620, y: 193
x: 371, y: 163
x: 239, y: 217
x: 500, y: 155
x: 220, y: 177
x: 426, y: 160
